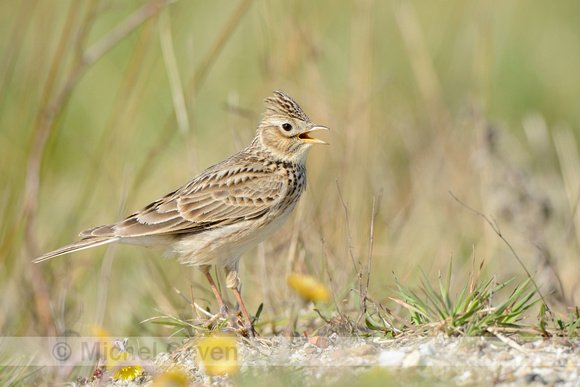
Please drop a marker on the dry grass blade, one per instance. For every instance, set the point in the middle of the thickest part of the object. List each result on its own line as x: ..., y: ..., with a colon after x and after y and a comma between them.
x: 370, y: 257
x: 357, y: 269
x: 173, y: 74
x: 330, y: 281
x: 11, y: 55
x: 135, y: 20
x: 422, y: 65
x: 219, y: 44
x: 506, y: 340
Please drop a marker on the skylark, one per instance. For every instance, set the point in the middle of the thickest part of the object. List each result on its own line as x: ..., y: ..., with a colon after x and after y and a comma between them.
x: 228, y: 208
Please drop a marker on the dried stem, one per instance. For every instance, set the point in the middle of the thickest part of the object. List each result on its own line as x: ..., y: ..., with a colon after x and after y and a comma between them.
x: 331, y: 282
x: 350, y: 248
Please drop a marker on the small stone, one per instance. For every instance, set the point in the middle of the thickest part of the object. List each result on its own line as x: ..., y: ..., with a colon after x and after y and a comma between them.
x: 391, y: 358
x: 338, y: 354
x: 412, y: 360
x: 531, y: 377
x: 427, y: 349
x: 552, y: 379
x: 362, y: 350
x: 319, y: 341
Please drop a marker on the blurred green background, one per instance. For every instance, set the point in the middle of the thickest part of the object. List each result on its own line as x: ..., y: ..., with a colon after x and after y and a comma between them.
x: 108, y: 105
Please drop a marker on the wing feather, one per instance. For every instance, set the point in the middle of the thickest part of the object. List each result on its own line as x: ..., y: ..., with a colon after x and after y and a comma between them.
x: 219, y: 196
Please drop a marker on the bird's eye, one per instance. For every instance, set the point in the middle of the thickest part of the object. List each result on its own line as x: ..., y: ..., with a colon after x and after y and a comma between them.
x: 287, y: 127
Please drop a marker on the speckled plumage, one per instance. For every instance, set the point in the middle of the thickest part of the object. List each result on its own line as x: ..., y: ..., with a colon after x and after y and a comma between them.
x: 228, y: 208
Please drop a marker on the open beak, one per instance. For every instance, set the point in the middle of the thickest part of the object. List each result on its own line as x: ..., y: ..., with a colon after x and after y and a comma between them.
x: 304, y: 136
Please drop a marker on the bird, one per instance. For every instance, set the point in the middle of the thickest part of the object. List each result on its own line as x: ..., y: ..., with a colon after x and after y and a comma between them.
x: 228, y: 208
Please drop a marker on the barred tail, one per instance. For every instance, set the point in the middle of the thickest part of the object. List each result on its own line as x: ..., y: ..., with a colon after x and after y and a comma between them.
x: 84, y: 243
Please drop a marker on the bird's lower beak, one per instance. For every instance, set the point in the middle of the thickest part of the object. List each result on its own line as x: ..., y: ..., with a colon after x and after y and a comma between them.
x: 304, y: 136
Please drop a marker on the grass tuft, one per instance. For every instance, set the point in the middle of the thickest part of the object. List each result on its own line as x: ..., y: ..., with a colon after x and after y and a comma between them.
x: 473, y: 311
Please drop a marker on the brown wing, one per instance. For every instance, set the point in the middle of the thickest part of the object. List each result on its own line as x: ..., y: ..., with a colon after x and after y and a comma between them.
x: 220, y: 195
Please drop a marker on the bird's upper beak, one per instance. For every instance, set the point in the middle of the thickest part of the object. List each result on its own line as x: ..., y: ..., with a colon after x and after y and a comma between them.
x: 304, y: 136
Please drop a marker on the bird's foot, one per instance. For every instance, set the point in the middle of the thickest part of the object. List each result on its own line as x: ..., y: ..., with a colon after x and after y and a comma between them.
x: 251, y: 332
x: 235, y: 322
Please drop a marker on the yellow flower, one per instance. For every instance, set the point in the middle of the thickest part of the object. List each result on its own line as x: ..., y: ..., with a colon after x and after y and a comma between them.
x: 308, y: 287
x: 218, y: 354
x: 119, y: 362
x: 174, y: 377
x: 124, y: 367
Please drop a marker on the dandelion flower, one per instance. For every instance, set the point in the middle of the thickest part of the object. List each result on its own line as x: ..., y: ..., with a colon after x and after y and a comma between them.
x: 125, y: 368
x: 308, y: 287
x: 218, y: 354
x: 174, y: 377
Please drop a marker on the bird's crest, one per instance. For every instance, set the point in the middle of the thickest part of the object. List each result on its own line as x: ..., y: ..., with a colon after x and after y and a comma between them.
x: 282, y: 105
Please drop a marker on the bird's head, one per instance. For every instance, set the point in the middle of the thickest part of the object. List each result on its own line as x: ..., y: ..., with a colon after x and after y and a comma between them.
x: 285, y: 129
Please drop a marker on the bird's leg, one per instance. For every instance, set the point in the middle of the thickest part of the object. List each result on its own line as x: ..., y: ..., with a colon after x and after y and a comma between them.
x: 223, y: 307
x: 249, y: 326
x: 233, y: 282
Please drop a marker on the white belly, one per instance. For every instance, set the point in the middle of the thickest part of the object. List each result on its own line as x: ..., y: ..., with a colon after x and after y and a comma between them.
x: 225, y: 245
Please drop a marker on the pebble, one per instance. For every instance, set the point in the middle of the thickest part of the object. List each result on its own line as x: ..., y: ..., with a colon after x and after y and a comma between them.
x: 391, y: 358
x: 362, y: 350
x: 427, y: 349
x: 413, y: 359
